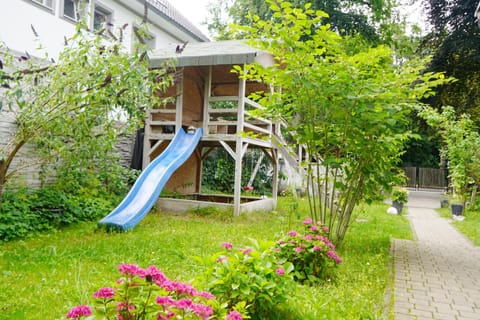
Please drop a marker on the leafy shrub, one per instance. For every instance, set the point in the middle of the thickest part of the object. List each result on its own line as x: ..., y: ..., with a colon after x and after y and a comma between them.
x: 249, y: 276
x: 27, y: 212
x: 311, y: 253
x: 400, y: 195
x: 149, y: 294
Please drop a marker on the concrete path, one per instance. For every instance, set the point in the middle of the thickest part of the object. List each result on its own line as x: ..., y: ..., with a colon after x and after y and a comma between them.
x: 437, y: 276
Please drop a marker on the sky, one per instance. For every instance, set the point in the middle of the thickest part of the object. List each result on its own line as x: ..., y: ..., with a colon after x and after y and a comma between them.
x: 194, y: 10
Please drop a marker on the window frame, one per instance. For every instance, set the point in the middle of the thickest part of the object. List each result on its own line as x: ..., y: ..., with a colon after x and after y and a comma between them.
x: 106, y: 12
x: 76, y: 12
x: 41, y: 4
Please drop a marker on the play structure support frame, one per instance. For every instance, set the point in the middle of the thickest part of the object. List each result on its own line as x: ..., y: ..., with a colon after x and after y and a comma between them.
x: 239, y: 150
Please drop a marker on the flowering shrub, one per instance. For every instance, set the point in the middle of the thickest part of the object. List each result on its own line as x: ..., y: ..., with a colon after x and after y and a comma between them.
x: 250, y: 277
x: 311, y: 253
x: 149, y: 294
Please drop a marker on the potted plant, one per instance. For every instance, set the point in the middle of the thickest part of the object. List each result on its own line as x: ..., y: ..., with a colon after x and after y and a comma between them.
x: 456, y: 205
x: 399, y: 198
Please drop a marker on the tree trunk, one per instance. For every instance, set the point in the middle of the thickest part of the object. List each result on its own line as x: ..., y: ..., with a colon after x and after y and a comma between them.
x: 5, y: 165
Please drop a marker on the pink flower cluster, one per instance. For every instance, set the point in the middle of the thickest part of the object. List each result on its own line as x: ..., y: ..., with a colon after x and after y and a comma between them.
x: 234, y: 315
x: 311, y: 251
x: 78, y: 312
x: 201, y: 310
x: 178, y: 296
x: 158, y: 277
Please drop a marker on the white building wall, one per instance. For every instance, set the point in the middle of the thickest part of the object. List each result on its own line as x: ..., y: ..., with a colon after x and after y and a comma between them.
x: 17, y: 17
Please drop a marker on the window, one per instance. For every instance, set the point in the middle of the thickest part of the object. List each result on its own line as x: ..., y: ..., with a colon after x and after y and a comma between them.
x: 70, y: 9
x: 46, y: 3
x: 101, y: 18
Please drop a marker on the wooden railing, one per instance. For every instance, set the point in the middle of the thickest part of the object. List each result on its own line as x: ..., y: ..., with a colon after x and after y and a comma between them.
x: 229, y: 118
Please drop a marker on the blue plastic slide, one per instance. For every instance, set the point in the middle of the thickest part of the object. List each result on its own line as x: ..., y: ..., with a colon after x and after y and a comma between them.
x: 147, y: 188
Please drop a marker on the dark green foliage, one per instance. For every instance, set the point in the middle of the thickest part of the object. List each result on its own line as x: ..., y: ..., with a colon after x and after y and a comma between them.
x: 27, y: 212
x: 422, y: 150
x: 454, y: 43
x: 219, y: 172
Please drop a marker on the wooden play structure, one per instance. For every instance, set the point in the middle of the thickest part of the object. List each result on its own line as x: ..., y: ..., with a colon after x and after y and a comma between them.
x: 207, y: 95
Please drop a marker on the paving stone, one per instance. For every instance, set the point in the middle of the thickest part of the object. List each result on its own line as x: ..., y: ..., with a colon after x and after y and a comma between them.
x: 437, y: 276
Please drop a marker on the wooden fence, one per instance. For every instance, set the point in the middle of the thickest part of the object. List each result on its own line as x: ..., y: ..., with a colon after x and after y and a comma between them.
x: 418, y: 177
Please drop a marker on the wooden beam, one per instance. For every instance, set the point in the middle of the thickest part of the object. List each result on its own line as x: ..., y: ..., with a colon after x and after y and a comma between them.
x: 275, y: 176
x: 206, y: 153
x: 240, y: 148
x: 229, y: 150
x: 179, y: 106
x: 206, y: 98
x: 155, y: 146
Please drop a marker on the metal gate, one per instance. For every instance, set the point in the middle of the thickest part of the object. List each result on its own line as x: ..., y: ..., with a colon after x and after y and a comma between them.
x: 418, y: 177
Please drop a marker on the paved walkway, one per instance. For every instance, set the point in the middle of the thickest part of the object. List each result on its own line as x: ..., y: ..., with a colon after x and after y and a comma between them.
x: 437, y: 276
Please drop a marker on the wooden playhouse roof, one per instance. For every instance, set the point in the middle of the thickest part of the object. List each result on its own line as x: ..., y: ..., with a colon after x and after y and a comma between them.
x: 210, y: 54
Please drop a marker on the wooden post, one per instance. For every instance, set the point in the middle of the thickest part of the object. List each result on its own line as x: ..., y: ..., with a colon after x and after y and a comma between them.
x: 239, y: 147
x: 146, y: 141
x: 275, y: 175
x: 206, y: 98
x: 179, y: 106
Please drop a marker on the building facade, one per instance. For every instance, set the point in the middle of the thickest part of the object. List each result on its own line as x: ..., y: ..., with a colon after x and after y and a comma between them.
x: 53, y: 20
x: 38, y: 28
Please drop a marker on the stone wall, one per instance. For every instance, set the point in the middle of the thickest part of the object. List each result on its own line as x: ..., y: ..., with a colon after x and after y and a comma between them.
x: 26, y: 164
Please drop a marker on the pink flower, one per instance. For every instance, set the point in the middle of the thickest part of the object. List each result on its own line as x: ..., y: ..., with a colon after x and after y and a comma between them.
x: 280, y: 242
x: 298, y: 249
x: 334, y: 256
x: 169, y: 315
x: 280, y: 271
x: 221, y: 259
x: 227, y: 245
x: 307, y: 221
x: 234, y: 315
x: 157, y: 276
x: 121, y: 306
x: 104, y: 293
x: 317, y: 248
x: 314, y: 228
x: 202, y: 311
x: 179, y: 287
x: 206, y: 295
x: 131, y: 269
x: 79, y: 311
x: 325, y: 229
x: 165, y: 301
x: 184, y: 304
x: 292, y: 233
x: 246, y: 251
x: 308, y: 237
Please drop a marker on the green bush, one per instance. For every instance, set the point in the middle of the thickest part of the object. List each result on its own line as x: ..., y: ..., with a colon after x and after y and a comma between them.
x: 311, y: 253
x: 25, y: 213
x: 249, y: 276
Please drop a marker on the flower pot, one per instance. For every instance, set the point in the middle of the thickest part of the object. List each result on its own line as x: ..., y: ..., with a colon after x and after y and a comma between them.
x: 457, y: 209
x: 398, y: 206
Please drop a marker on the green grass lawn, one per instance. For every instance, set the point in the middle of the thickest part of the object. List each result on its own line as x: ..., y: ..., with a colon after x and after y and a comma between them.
x: 470, y: 227
x: 42, y: 277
